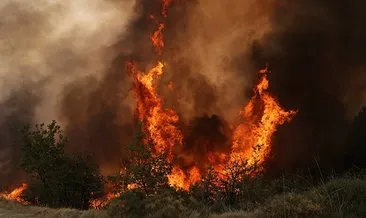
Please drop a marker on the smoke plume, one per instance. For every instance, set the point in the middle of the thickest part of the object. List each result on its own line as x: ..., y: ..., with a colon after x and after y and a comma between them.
x: 44, y: 46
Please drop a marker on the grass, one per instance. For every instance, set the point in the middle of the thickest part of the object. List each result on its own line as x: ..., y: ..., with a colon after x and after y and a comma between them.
x: 12, y: 209
x: 339, y: 197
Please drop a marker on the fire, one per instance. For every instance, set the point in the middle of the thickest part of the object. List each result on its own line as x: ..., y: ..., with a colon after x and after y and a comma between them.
x: 131, y: 186
x: 157, y: 38
x: 16, y: 194
x: 181, y: 180
x: 165, y: 6
x: 251, y: 139
x: 261, y: 118
x: 160, y: 123
x: 102, y: 202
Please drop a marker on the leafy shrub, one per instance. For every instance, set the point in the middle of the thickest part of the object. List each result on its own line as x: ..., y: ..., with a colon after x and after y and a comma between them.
x: 57, y: 179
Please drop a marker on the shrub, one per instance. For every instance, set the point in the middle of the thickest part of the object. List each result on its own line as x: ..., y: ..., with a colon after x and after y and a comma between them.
x: 136, y: 204
x: 57, y: 179
x: 292, y: 205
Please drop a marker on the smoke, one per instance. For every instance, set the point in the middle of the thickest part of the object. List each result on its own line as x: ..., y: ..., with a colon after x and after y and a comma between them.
x: 317, y: 53
x: 212, y: 52
x: 64, y: 60
x: 208, y: 52
x: 44, y: 46
x: 206, y: 139
x: 204, y: 64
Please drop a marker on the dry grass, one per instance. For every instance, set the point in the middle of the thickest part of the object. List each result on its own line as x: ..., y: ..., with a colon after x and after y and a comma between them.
x: 336, y: 198
x: 15, y: 210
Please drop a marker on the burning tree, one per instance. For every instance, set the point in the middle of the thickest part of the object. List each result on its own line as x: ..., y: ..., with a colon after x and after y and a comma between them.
x: 144, y: 172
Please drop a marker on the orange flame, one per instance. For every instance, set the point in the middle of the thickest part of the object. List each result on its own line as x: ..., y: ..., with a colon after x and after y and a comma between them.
x: 182, y: 180
x: 251, y: 139
x: 160, y: 123
x: 102, y: 202
x: 261, y: 116
x: 157, y: 38
x: 16, y: 194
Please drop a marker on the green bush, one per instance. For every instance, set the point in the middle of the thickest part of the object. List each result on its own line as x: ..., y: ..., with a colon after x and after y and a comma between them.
x: 57, y: 179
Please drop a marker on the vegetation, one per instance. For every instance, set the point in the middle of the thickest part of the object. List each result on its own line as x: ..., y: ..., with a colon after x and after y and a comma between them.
x: 236, y: 195
x: 339, y: 197
x: 146, y: 172
x: 65, y: 180
x: 15, y: 210
x: 57, y: 179
x: 356, y: 142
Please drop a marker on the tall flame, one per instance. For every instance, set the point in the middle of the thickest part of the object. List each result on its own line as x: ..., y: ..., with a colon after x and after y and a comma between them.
x: 261, y: 118
x: 160, y: 123
x: 251, y: 139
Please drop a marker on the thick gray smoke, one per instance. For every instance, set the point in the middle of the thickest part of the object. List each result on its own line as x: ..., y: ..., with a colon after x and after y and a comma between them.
x: 46, y: 45
x: 209, y: 54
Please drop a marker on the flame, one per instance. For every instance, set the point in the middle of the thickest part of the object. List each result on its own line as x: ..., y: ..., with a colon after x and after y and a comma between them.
x: 157, y: 38
x: 165, y: 6
x: 16, y: 194
x: 181, y: 180
x: 262, y: 116
x: 102, y: 202
x: 251, y: 138
x: 160, y: 124
x: 131, y: 186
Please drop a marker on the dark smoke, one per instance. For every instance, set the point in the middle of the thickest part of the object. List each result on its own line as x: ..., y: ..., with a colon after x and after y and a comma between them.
x: 205, y: 137
x: 17, y: 111
x: 100, y: 120
x: 317, y: 53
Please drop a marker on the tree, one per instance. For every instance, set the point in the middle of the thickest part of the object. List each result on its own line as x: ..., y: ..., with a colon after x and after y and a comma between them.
x: 57, y: 179
x: 356, y: 142
x: 143, y: 182
x: 144, y: 171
